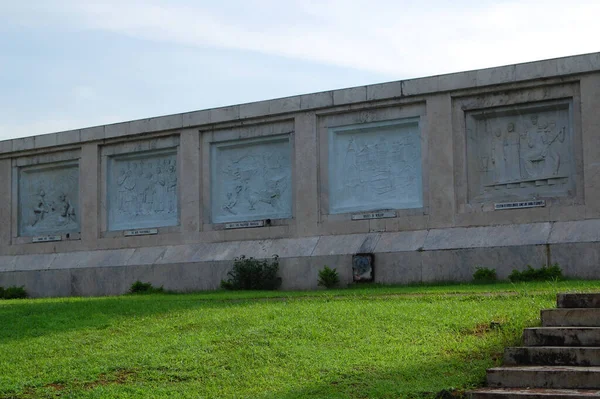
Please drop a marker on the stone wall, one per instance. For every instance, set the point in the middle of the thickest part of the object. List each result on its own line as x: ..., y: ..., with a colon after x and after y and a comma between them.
x: 433, y: 176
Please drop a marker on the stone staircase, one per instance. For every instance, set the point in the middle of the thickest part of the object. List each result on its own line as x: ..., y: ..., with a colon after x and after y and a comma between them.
x: 561, y: 359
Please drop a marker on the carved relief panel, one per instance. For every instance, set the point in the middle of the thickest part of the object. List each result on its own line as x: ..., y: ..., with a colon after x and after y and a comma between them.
x: 375, y: 166
x: 142, y: 190
x: 48, y: 198
x: 251, y: 179
x: 520, y: 152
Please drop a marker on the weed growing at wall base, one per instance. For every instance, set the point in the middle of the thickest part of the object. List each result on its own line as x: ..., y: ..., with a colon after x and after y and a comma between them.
x: 145, y: 288
x: 253, y: 274
x: 328, y: 277
x: 13, y: 292
x: 545, y: 273
x: 484, y: 275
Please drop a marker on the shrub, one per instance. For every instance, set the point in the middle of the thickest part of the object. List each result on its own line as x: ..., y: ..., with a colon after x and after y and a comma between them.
x: 13, y: 292
x: 253, y: 274
x: 544, y: 273
x: 484, y: 275
x: 328, y: 277
x: 144, y: 288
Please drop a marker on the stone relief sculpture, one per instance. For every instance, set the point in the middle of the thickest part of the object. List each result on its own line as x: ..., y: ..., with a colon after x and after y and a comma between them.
x: 251, y: 180
x: 524, y: 154
x: 375, y: 167
x: 48, y: 200
x: 143, y: 191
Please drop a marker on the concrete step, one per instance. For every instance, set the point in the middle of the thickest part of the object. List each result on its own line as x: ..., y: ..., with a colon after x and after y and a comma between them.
x: 571, y: 317
x: 578, y: 300
x: 553, y: 356
x: 561, y: 336
x: 520, y: 393
x: 554, y: 377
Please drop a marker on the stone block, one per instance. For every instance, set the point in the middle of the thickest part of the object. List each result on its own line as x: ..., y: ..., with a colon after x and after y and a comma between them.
x: 147, y: 256
x: 196, y: 118
x: 254, y: 110
x: 345, y: 244
x: 384, y: 91
x: 495, y: 76
x: 352, y: 95
x: 402, y: 241
x: 565, y: 317
x: 157, y: 124
x: 68, y: 137
x: 398, y: 267
x: 92, y: 133
x: 46, y: 140
x: 33, y: 262
x: 225, y: 114
x: 570, y: 377
x: 493, y: 236
x: 7, y: 263
x: 578, y: 300
x: 284, y: 105
x: 577, y: 260
x: 316, y: 100
x: 535, y: 70
x: 117, y: 130
x: 576, y: 231
x: 555, y: 356
x: 6, y: 146
x: 561, y: 336
x: 23, y: 144
x: 40, y: 283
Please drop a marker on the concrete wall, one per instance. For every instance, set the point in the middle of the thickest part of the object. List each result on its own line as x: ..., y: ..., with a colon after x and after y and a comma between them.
x: 466, y: 123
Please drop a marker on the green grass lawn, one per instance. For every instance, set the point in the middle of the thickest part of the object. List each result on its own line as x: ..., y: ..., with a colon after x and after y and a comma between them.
x: 369, y: 342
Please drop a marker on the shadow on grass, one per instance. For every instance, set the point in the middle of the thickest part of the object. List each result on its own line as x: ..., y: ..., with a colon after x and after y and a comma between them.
x: 36, y: 318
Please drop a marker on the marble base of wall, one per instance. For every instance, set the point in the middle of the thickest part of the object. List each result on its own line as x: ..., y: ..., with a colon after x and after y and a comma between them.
x: 400, y: 258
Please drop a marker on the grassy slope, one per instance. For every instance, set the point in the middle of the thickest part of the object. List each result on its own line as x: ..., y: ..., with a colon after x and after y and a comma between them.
x: 385, y: 342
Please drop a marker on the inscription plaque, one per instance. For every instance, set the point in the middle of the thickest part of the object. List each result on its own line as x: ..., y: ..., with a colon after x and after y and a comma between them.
x: 140, y: 232
x: 374, y: 215
x: 49, y: 199
x: 46, y: 238
x: 520, y: 152
x: 142, y: 190
x: 374, y: 166
x: 520, y: 204
x: 242, y: 225
x: 251, y: 179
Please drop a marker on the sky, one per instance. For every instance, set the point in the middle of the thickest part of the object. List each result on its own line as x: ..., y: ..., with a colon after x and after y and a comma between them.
x: 70, y: 64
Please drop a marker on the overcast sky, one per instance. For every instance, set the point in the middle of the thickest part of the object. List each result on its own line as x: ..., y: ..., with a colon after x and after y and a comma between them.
x: 67, y: 64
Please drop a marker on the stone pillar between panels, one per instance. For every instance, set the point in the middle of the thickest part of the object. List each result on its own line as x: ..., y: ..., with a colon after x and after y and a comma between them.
x: 89, y: 184
x: 441, y: 165
x: 5, y: 201
x: 305, y: 175
x: 190, y: 199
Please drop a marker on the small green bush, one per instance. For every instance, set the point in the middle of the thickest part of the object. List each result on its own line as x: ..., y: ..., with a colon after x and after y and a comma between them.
x: 13, y: 292
x: 484, y: 275
x: 328, y: 277
x: 144, y: 288
x: 253, y: 274
x: 544, y: 273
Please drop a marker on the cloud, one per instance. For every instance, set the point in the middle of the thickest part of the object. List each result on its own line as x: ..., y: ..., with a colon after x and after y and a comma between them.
x: 394, y: 38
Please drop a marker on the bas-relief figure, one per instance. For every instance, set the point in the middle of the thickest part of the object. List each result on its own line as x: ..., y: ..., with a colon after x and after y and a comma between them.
x: 522, y: 154
x: 251, y: 180
x: 48, y: 200
x: 375, y: 167
x: 143, y: 192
